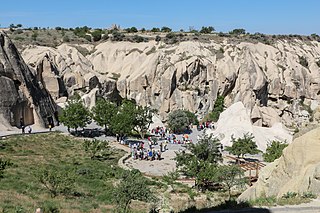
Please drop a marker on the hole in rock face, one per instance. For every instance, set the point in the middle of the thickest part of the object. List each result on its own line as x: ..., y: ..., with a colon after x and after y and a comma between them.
x: 200, y: 106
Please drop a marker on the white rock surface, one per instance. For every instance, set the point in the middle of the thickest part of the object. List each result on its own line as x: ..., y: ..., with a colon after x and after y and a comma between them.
x: 235, y: 121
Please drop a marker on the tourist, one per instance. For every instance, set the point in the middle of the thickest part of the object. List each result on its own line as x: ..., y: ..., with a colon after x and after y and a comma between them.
x: 29, y: 129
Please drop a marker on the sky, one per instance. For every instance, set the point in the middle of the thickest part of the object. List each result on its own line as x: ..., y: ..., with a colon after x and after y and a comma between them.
x: 264, y: 16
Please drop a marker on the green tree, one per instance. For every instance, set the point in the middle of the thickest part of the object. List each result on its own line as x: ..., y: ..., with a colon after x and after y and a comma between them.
x: 166, y: 29
x: 103, y: 112
x: 123, y: 121
x: 171, y: 178
x: 274, y: 150
x: 242, y: 146
x: 231, y: 176
x: 238, y: 31
x: 143, y: 119
x: 131, y: 30
x: 192, y: 117
x: 207, y: 30
x: 56, y: 181
x: 75, y: 114
x: 217, y: 109
x: 132, y: 186
x: 155, y: 30
x: 200, y: 160
x: 96, y: 35
x: 178, y: 121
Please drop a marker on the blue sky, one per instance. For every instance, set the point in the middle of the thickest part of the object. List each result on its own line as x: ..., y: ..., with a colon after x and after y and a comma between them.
x: 265, y: 16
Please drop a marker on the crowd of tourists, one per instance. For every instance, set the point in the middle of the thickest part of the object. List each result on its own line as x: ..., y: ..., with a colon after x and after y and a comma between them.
x: 140, y: 152
x: 207, y: 124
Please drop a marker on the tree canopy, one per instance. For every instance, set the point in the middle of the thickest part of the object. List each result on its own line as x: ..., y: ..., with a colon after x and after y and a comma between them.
x: 242, y: 146
x: 143, y: 119
x: 207, y: 30
x: 132, y: 186
x: 178, y: 121
x: 274, y: 150
x: 200, y: 160
x: 103, y: 112
x: 75, y: 115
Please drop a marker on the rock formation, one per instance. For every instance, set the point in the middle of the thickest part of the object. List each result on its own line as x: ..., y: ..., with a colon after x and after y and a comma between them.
x: 235, y: 122
x: 277, y: 82
x: 23, y: 97
x: 297, y: 170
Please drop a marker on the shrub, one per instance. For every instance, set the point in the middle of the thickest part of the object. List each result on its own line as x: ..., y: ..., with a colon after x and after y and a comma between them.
x: 274, y: 150
x: 290, y: 195
x: 178, y: 121
x: 303, y: 61
x: 138, y: 39
x: 97, y: 149
x: 66, y: 39
x: 207, y: 30
x: 166, y: 29
x: 237, y: 31
x: 217, y: 109
x: 96, y: 35
x: 116, y: 36
x: 155, y: 29
x: 158, y: 38
x: 308, y: 195
x: 56, y: 181
x: 3, y: 165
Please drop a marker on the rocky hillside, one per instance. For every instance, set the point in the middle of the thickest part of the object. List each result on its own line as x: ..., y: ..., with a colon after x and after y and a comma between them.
x: 23, y: 96
x: 278, y: 82
x: 297, y: 170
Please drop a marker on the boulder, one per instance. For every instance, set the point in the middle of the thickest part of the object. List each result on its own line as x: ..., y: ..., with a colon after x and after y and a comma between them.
x: 297, y: 170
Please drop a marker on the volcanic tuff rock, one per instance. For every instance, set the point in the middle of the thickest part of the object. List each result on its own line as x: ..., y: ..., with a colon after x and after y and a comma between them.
x: 297, y: 170
x: 22, y: 95
x: 273, y: 81
x: 235, y: 122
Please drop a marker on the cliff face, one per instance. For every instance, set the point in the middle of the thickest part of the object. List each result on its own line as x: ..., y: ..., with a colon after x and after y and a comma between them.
x: 21, y: 95
x: 297, y: 170
x: 278, y: 82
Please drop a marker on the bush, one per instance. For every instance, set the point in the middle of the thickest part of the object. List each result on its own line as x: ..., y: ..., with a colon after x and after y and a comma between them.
x: 303, y: 61
x: 207, y: 30
x: 66, y: 39
x: 158, y: 38
x: 138, y: 39
x: 308, y: 195
x: 97, y: 149
x: 178, y: 121
x: 155, y: 29
x: 290, y: 195
x: 3, y: 165
x: 274, y: 151
x: 166, y: 29
x: 217, y: 109
x: 56, y: 181
x: 116, y: 36
x: 96, y: 35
